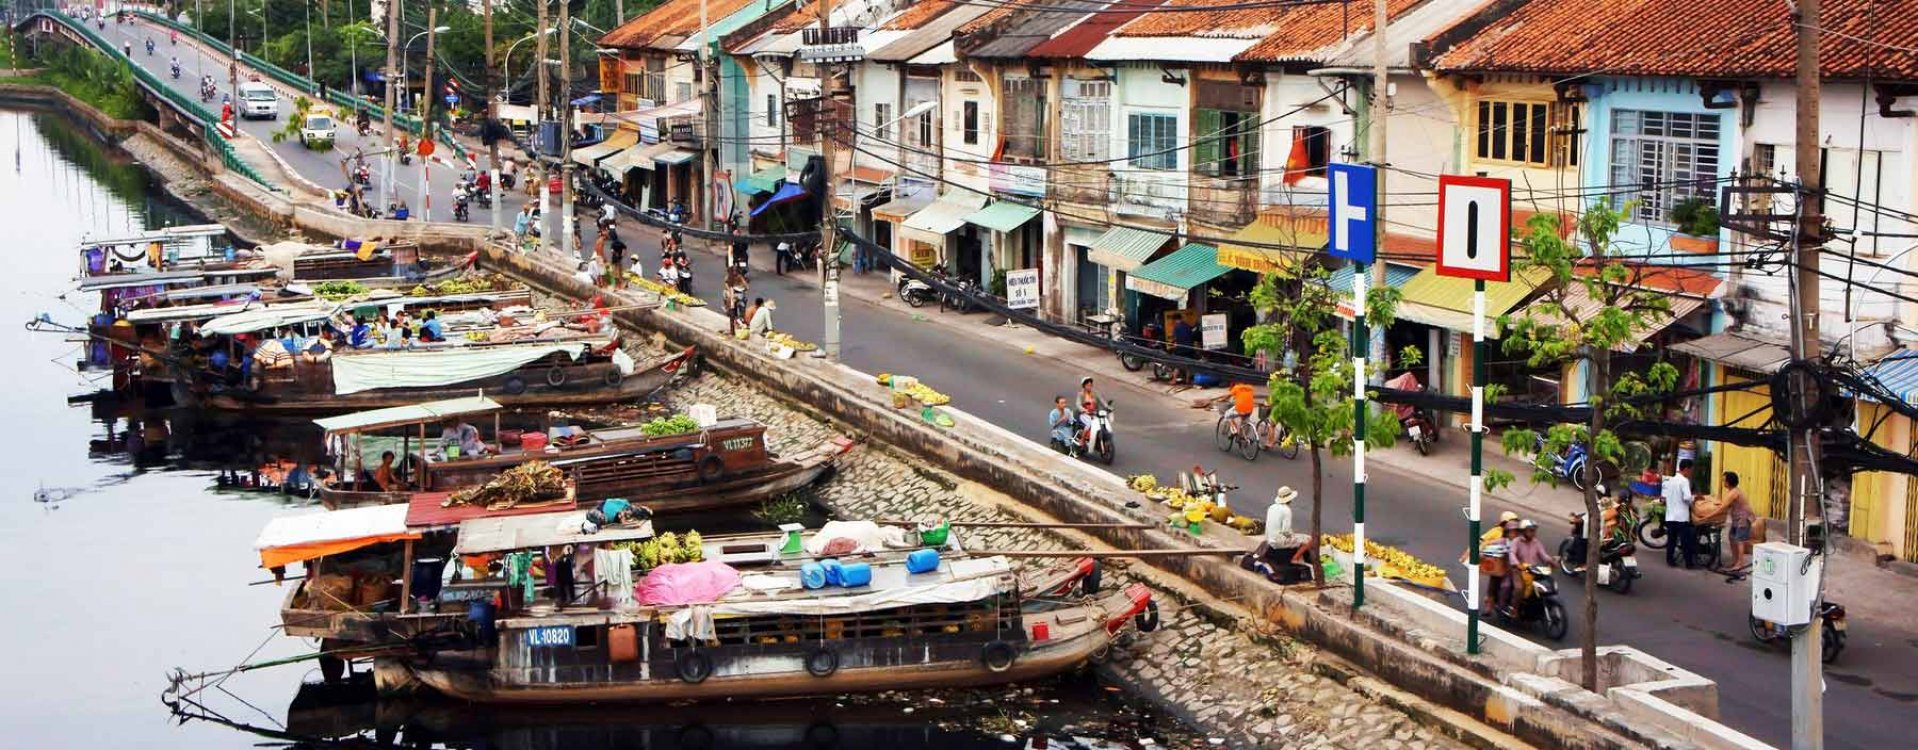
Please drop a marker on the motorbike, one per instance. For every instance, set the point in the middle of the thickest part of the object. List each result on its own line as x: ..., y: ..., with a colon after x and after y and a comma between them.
x: 1542, y: 608
x: 483, y: 197
x: 1617, y: 557
x: 1101, y: 441
x: 677, y: 212
x: 1570, y: 466
x: 1831, y: 617
x: 149, y: 46
x: 176, y: 71
x: 915, y: 292
x: 959, y: 300
x: 363, y: 175
x: 461, y: 203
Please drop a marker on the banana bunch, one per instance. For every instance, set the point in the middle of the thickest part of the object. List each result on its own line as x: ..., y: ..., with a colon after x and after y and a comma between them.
x: 1390, y: 562
x: 1174, y: 497
x: 926, y: 395
x: 667, y: 292
x: 1246, y: 525
x: 788, y: 340
x: 885, y: 379
x: 1142, y: 482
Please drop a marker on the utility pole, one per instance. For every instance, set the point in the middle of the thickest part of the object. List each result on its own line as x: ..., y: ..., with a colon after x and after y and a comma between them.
x: 1807, y: 678
x: 542, y: 112
x: 392, y: 71
x: 709, y: 117
x: 566, y: 132
x: 492, y: 116
x: 1365, y: 351
x: 426, y: 117
x: 826, y: 123
x: 1381, y: 104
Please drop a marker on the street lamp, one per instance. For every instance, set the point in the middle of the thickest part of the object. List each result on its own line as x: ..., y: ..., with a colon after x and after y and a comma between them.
x: 406, y: 60
x: 506, y: 63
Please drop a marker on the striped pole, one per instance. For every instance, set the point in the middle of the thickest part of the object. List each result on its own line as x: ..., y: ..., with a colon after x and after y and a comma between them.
x: 1473, y: 595
x: 1360, y: 281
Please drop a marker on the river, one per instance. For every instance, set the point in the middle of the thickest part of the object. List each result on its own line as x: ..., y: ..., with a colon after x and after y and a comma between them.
x: 125, y: 561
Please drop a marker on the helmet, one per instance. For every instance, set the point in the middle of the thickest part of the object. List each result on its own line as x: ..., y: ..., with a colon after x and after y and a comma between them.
x: 1527, y: 524
x: 1085, y: 381
x: 1507, y: 517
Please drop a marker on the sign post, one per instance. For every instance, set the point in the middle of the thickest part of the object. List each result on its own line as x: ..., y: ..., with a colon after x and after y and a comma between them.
x: 1212, y: 331
x: 1353, y: 199
x: 1475, y: 242
x: 1022, y: 289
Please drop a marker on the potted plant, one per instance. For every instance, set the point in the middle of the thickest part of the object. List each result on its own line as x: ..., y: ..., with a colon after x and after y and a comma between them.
x: 1697, y: 221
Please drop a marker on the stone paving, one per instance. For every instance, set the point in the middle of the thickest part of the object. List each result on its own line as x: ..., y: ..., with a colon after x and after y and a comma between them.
x: 1238, y: 687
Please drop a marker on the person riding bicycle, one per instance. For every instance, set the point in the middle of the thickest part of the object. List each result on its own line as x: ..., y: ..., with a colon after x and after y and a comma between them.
x: 1245, y: 406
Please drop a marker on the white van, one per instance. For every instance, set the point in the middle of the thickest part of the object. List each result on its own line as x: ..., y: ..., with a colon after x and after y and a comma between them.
x: 258, y: 100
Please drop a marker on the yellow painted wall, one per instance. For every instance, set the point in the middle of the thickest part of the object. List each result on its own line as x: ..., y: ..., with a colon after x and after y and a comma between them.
x: 1877, y: 498
x: 1761, y: 471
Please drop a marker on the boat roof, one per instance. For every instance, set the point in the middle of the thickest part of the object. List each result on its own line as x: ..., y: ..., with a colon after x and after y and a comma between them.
x: 164, y: 278
x: 273, y: 316
x: 396, y: 416
x: 427, y: 511
x: 290, y: 539
x: 508, y: 533
x: 162, y: 235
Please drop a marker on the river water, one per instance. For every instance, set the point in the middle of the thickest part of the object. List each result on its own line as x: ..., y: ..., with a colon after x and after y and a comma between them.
x: 124, y: 561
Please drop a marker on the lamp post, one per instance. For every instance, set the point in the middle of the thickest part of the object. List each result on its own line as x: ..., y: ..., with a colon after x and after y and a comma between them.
x: 314, y: 79
x: 506, y: 63
x: 406, y: 62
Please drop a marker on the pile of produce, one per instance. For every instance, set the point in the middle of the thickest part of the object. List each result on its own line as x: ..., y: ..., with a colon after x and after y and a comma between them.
x: 1191, y: 508
x: 338, y: 290
x: 1392, y: 562
x: 788, y: 340
x: 668, y: 293
x: 677, y: 424
x: 918, y: 391
x: 471, y: 283
x: 665, y: 549
x: 527, y: 482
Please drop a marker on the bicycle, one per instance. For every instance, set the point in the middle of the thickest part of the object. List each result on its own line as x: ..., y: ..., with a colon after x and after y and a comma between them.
x: 1249, y: 436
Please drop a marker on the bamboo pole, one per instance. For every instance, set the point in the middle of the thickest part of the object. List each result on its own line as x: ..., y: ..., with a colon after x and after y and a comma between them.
x: 1101, y: 553
x: 1030, y: 525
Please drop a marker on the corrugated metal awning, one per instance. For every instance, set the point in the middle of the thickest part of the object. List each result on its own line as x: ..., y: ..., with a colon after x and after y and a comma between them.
x: 1277, y: 241
x: 1174, y: 275
x: 1003, y: 216
x: 932, y: 223
x: 1744, y: 351
x: 1898, y: 373
x: 1581, y: 305
x: 1126, y: 248
x: 1446, y: 301
x: 620, y: 140
x: 1341, y: 282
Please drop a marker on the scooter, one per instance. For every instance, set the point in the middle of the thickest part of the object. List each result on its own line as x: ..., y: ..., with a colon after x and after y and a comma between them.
x: 1570, y: 466
x: 1831, y: 617
x: 959, y: 300
x: 149, y: 46
x: 1617, y: 557
x: 460, y: 210
x: 916, y: 293
x: 1542, y: 608
x: 176, y: 71
x: 1099, y: 442
x: 363, y: 175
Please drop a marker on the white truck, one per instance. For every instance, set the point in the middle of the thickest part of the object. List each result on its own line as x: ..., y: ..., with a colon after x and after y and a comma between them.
x: 317, y: 130
x: 257, y: 100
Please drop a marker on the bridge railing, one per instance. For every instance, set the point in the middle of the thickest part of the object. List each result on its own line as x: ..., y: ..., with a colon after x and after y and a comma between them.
x: 298, y: 82
x: 209, y: 121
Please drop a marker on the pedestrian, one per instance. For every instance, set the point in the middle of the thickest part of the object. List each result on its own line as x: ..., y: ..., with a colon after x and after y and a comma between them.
x: 1741, y: 520
x: 1679, y: 538
x: 519, y: 225
x: 762, y: 320
x: 734, y: 298
x: 596, y: 270
x: 1182, y: 340
x: 782, y: 257
x: 619, y: 262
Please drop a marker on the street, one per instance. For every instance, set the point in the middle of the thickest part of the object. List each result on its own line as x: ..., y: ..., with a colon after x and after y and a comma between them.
x: 1693, y: 619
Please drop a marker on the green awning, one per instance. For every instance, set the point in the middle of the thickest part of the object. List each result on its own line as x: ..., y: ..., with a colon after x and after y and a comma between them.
x: 1446, y: 301
x: 1341, y: 282
x: 1003, y: 216
x: 1174, y: 275
x: 1126, y: 249
x: 762, y: 181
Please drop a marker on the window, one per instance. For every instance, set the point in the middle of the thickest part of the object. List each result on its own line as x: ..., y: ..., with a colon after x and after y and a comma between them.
x: 633, y: 85
x: 1316, y: 143
x: 772, y: 110
x: 1225, y: 143
x: 1661, y: 158
x: 882, y: 120
x: 1150, y: 140
x: 1024, y: 113
x: 969, y: 123
x: 1540, y: 134
x: 965, y: 76
x: 1085, y: 127
x: 682, y: 92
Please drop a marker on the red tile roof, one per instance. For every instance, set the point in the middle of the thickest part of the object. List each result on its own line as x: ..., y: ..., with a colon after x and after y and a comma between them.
x: 920, y: 14
x: 1309, y: 28
x: 1080, y: 39
x: 1687, y: 281
x: 675, y: 18
x: 1714, y: 38
x: 1205, y: 21
x: 1409, y: 249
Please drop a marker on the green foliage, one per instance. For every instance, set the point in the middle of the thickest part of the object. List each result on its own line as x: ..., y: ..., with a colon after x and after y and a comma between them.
x: 788, y: 508
x: 1316, y: 402
x: 95, y: 78
x: 291, y: 128
x: 1696, y: 216
x: 676, y: 424
x: 338, y: 289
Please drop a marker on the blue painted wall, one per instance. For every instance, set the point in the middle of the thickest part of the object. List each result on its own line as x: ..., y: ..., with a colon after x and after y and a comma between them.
x: 1609, y: 95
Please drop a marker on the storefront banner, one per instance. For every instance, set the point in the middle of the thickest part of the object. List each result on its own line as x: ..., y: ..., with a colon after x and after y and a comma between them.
x: 1212, y: 331
x: 1022, y: 289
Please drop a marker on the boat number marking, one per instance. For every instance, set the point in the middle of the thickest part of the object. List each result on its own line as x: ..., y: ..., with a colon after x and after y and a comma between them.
x: 736, y: 444
x: 550, y: 635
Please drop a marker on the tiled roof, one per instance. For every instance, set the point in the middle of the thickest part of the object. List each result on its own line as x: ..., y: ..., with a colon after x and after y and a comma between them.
x: 1205, y: 21
x: 1017, y: 36
x: 1308, y: 31
x: 1686, y: 281
x: 917, y: 15
x: 1715, y: 38
x: 1080, y: 39
x: 676, y: 18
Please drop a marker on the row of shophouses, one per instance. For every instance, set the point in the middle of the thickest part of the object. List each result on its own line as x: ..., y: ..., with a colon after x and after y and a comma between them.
x: 1150, y: 158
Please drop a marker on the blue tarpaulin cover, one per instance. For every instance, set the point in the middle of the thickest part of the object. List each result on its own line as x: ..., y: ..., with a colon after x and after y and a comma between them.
x: 787, y: 192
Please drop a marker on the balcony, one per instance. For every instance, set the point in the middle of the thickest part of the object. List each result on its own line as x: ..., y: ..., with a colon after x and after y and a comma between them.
x: 1225, y: 203
x: 1085, y: 184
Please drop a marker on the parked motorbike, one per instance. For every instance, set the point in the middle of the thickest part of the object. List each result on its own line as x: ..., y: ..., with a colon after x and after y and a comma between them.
x: 1617, y: 557
x: 1570, y: 466
x: 1542, y: 608
x: 1831, y: 617
x: 1148, y: 337
x: 959, y: 300
x: 915, y: 292
x: 1101, y: 439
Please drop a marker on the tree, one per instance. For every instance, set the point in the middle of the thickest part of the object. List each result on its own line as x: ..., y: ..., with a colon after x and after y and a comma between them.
x: 1316, y: 402
x: 1555, y: 332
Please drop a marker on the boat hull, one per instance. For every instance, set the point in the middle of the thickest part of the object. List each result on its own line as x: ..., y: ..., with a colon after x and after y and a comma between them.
x: 646, y: 378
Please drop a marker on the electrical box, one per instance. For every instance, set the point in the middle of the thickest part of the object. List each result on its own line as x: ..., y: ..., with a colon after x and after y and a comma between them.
x: 1784, y: 582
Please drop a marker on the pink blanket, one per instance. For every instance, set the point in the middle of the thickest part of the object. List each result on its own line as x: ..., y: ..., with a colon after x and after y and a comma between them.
x: 687, y: 583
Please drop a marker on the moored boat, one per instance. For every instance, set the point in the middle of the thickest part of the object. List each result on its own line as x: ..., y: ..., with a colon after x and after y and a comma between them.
x: 721, y: 464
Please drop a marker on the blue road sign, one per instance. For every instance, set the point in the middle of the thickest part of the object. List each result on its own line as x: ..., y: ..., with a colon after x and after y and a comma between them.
x: 1352, y: 199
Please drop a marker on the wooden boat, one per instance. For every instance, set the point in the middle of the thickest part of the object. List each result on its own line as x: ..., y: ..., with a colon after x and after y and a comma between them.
x: 178, y: 259
x: 722, y: 465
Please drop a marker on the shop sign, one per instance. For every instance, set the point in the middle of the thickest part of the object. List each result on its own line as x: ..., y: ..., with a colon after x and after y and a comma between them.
x: 1022, y: 289
x: 1212, y: 331
x: 1019, y: 179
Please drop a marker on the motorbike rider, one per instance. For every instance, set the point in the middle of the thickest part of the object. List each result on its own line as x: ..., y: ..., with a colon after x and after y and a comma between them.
x: 1522, y: 553
x: 1061, y: 421
x: 174, y: 65
x: 737, y: 254
x: 1088, y: 408
x: 149, y: 45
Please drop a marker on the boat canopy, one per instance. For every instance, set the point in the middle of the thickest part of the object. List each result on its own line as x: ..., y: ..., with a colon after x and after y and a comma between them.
x: 482, y: 535
x: 167, y: 278
x: 291, y: 539
x: 427, y: 368
x: 266, y: 318
x: 396, y: 416
x: 956, y: 582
